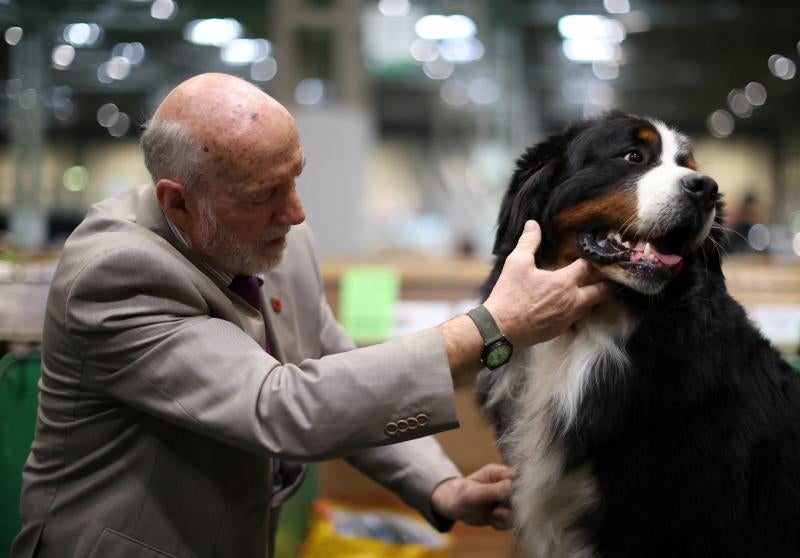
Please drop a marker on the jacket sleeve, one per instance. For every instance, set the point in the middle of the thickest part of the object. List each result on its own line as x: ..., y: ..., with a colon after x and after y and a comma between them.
x: 412, y: 469
x: 143, y: 333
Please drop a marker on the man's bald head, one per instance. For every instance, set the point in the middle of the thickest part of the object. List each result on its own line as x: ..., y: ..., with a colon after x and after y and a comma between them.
x: 225, y: 157
x: 216, y: 126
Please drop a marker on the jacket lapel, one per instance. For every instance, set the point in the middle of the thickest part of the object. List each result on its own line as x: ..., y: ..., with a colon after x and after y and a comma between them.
x: 277, y: 310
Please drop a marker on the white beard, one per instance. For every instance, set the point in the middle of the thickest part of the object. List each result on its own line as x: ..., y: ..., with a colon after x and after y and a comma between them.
x: 235, y: 255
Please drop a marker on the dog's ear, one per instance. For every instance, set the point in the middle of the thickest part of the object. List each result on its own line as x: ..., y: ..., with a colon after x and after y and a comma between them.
x: 525, y: 199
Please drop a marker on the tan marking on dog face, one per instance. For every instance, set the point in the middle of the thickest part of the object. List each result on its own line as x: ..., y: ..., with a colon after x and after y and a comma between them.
x: 616, y: 209
x: 690, y: 163
x: 649, y: 135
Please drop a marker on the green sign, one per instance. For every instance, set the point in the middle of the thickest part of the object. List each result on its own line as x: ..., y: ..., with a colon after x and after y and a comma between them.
x: 367, y: 297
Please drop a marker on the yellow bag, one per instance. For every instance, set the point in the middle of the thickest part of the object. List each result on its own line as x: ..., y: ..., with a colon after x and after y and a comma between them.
x: 349, y: 531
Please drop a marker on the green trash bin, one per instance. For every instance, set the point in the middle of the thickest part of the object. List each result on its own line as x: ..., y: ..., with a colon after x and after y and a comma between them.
x: 19, y: 377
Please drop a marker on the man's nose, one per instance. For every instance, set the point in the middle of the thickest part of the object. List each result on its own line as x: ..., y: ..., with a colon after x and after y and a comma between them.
x: 292, y: 212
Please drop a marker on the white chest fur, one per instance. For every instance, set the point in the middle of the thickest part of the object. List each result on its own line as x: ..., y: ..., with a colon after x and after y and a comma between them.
x: 547, y: 500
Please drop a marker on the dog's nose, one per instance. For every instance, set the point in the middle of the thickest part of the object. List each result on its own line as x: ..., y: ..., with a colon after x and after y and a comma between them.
x: 701, y: 188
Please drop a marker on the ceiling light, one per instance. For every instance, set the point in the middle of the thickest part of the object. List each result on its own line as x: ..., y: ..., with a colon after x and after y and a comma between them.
x: 62, y: 109
x: 107, y: 115
x: 245, y: 51
x: 461, y: 50
x: 590, y: 50
x: 635, y: 22
x: 720, y: 123
x: 574, y: 91
x: 118, y: 68
x: 756, y: 93
x: 605, y: 70
x: 62, y: 56
x: 437, y: 27
x: 738, y: 103
x: 484, y: 91
x: 394, y: 8
x: 438, y: 68
x: 215, y: 32
x: 27, y: 99
x: 781, y: 67
x: 587, y: 27
x: 102, y: 73
x: 310, y: 92
x: 264, y: 70
x: 132, y: 52
x: 13, y: 35
x: 82, y: 34
x: 163, y: 9
x: 455, y: 93
x: 423, y: 50
x: 600, y: 93
x: 13, y: 88
x: 617, y: 6
x: 121, y: 126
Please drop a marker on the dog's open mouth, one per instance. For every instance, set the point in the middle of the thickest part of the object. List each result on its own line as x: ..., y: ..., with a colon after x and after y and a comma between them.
x: 657, y: 256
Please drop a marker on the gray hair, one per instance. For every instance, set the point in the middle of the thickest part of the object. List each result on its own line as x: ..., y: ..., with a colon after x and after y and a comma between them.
x: 170, y: 151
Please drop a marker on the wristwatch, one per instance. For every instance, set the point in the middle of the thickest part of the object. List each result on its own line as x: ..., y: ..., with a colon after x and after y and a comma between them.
x: 496, y: 348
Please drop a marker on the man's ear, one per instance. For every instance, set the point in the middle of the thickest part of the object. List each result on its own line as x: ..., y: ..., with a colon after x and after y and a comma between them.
x: 172, y: 198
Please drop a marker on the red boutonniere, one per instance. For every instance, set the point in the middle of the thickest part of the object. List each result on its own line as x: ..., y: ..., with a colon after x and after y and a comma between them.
x: 277, y: 305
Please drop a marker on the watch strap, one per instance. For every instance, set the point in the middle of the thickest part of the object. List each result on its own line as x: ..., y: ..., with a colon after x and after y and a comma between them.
x: 486, y: 325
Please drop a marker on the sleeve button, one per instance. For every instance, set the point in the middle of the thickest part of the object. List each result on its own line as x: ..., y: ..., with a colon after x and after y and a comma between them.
x: 391, y: 429
x: 402, y: 425
x: 413, y: 423
x: 422, y: 419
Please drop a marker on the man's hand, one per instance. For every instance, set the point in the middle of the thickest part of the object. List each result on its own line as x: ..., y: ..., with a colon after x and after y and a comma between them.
x: 479, y: 499
x: 532, y: 305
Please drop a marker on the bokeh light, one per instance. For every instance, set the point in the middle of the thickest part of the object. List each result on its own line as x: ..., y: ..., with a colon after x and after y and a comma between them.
x: 76, y: 178
x: 13, y: 35
x: 759, y: 237
x: 720, y: 123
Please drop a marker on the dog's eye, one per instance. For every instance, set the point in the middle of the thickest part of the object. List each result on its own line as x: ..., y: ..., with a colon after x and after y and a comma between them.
x: 634, y: 156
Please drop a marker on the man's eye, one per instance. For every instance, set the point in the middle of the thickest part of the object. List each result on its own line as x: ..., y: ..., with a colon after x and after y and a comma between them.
x: 634, y: 156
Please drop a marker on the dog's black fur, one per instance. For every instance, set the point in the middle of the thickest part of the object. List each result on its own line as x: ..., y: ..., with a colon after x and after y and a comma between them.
x: 696, y: 447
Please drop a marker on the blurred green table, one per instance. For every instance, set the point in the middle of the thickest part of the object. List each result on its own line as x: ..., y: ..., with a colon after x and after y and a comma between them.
x: 19, y: 376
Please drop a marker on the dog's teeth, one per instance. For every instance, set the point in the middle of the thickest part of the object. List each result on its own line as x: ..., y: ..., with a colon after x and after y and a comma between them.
x: 647, y: 250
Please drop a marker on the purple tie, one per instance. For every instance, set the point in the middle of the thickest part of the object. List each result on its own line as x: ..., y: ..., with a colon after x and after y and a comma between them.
x: 248, y: 287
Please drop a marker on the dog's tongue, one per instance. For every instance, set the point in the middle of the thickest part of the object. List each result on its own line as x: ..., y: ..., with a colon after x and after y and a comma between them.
x: 645, y: 249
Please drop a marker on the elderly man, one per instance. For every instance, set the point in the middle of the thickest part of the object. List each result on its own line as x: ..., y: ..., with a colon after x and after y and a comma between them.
x: 191, y: 362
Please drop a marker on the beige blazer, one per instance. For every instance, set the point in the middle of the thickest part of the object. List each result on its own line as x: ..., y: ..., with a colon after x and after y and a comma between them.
x: 160, y: 413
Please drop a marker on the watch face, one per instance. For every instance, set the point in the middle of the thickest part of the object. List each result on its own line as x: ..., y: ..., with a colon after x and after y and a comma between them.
x: 498, y: 354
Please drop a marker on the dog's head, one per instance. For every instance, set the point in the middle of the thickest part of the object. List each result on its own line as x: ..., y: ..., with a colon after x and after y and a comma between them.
x: 623, y: 192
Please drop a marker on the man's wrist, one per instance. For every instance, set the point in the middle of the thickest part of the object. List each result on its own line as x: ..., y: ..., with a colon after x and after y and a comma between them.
x: 497, y: 349
x: 464, y: 344
x: 438, y: 501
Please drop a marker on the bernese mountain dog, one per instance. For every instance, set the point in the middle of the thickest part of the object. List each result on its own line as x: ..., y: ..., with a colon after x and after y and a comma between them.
x: 662, y: 423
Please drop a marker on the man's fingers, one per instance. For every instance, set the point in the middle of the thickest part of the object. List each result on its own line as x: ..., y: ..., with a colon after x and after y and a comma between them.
x: 590, y: 295
x: 580, y: 272
x: 500, y: 518
x: 493, y: 472
x: 530, y: 239
x: 498, y: 491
